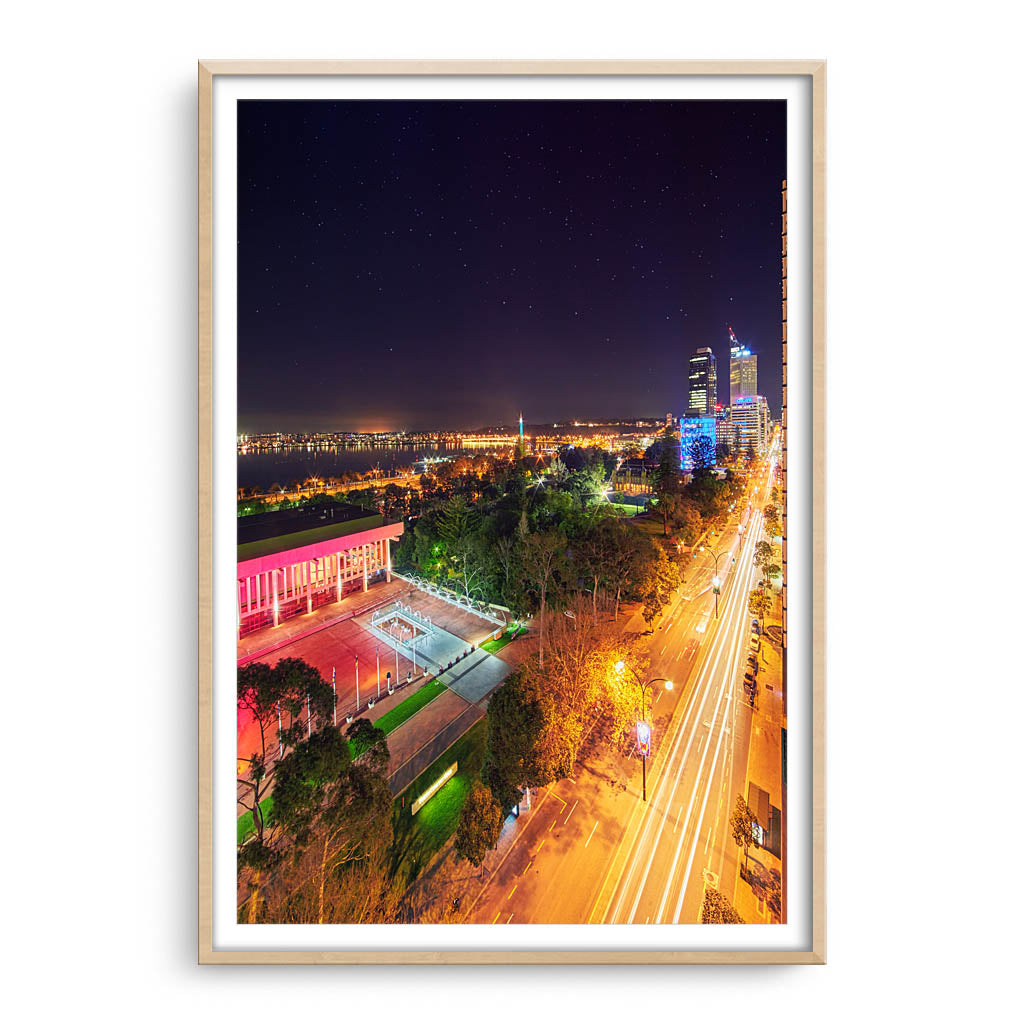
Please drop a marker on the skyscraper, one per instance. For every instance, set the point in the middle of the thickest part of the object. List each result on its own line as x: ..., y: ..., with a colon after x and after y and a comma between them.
x: 751, y: 422
x: 742, y: 370
x: 703, y: 384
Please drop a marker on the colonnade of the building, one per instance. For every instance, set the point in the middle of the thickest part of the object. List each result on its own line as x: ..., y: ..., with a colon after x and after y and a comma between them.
x: 265, y: 598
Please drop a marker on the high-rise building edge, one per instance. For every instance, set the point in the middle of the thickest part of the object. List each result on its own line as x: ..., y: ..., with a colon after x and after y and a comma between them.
x: 703, y: 384
x: 742, y: 370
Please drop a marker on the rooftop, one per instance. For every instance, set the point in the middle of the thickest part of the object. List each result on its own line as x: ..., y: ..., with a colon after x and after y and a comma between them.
x: 269, y: 532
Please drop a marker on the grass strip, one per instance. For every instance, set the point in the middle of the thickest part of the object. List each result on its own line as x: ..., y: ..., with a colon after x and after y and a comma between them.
x: 418, y: 837
x: 492, y: 646
x: 245, y: 823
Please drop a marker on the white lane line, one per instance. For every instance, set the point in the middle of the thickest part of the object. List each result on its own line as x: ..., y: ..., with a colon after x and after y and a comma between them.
x: 569, y: 815
x: 694, y: 706
x: 730, y: 639
x: 591, y: 836
x: 722, y: 643
x: 736, y: 655
x: 698, y: 701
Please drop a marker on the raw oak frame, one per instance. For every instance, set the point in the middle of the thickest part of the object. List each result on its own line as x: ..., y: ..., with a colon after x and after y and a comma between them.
x: 815, y: 70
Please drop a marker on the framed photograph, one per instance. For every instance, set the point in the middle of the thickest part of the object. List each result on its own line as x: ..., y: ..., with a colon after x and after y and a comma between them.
x: 511, y: 476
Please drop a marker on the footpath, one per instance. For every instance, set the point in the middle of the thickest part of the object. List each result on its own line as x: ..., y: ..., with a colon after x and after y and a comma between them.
x: 758, y: 891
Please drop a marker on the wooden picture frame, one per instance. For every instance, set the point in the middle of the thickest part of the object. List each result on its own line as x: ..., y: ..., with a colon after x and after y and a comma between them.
x: 208, y: 73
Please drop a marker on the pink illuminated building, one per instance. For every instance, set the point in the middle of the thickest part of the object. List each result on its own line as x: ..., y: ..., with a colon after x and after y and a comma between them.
x: 292, y: 562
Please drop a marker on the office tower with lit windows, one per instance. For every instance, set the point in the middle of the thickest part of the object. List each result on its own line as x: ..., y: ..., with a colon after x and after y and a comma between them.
x: 703, y: 383
x: 742, y: 370
x: 751, y: 422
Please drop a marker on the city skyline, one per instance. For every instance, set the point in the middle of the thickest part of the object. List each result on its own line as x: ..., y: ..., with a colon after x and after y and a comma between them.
x: 569, y: 257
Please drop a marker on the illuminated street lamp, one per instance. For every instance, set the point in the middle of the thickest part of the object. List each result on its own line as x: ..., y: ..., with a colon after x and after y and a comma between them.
x: 716, y: 583
x: 643, y: 728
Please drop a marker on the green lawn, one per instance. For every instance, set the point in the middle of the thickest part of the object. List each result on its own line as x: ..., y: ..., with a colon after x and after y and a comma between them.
x: 418, y: 837
x: 506, y: 638
x: 402, y: 712
x: 245, y: 825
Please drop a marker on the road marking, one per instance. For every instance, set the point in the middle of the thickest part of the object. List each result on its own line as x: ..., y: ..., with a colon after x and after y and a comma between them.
x: 569, y: 815
x: 700, y: 693
x: 542, y: 842
x: 510, y: 916
x: 496, y: 916
x: 663, y: 648
x: 658, y: 697
x: 552, y: 825
x: 514, y: 887
x: 591, y: 836
x: 528, y: 866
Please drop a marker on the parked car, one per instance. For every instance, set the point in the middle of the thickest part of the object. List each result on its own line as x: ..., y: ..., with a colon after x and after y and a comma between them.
x: 756, y: 626
x: 755, y: 644
x: 753, y: 664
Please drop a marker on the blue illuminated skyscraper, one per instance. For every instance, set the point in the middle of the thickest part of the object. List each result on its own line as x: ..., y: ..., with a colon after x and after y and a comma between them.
x: 692, y: 428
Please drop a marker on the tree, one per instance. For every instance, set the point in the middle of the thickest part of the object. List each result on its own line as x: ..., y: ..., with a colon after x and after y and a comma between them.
x: 702, y: 455
x: 656, y: 579
x: 272, y: 695
x: 668, y: 480
x: 772, y: 525
x: 626, y: 557
x: 458, y: 528
x: 369, y: 745
x: 742, y: 823
x: 592, y: 546
x: 716, y: 909
x: 339, y: 820
x: 671, y: 507
x: 543, y: 558
x: 527, y: 742
x: 479, y: 825
x: 762, y: 553
x: 760, y: 604
x: 689, y: 522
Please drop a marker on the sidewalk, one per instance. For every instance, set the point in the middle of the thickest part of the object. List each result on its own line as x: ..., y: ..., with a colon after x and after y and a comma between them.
x: 762, y: 789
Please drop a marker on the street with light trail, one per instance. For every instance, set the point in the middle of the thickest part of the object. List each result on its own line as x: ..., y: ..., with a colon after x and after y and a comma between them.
x: 591, y: 849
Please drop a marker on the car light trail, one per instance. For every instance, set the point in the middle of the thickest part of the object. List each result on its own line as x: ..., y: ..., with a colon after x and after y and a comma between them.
x: 714, y: 685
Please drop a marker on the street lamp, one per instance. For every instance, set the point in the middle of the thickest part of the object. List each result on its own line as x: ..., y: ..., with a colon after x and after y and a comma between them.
x: 643, y: 728
x: 716, y: 582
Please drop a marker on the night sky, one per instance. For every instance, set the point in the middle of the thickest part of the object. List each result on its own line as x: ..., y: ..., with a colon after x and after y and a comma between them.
x: 441, y: 264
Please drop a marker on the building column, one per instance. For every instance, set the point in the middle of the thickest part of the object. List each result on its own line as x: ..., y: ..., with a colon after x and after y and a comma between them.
x: 387, y: 554
x: 309, y: 588
x: 238, y: 605
x: 277, y: 615
x: 366, y: 582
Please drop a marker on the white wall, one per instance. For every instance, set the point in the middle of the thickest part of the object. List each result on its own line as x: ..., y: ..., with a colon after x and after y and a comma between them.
x: 98, y: 176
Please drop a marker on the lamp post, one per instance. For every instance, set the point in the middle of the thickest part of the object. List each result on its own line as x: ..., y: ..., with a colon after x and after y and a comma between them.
x: 716, y: 581
x: 643, y: 728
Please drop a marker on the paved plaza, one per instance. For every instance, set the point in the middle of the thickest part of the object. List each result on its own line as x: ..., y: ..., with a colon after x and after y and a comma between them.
x: 334, y: 636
